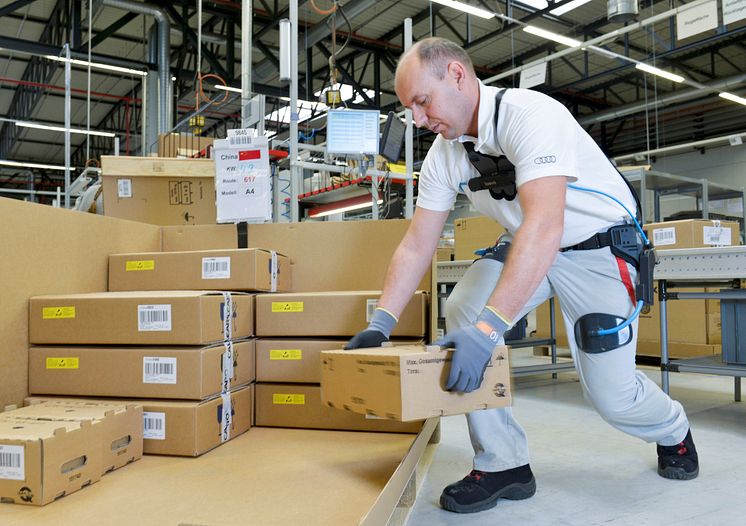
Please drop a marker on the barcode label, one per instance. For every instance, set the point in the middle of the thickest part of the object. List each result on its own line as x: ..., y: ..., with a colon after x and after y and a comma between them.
x: 370, y: 309
x: 715, y: 235
x: 12, y: 464
x: 158, y: 370
x: 216, y: 268
x: 154, y: 425
x: 664, y: 236
x: 240, y: 140
x: 153, y: 318
x: 124, y: 188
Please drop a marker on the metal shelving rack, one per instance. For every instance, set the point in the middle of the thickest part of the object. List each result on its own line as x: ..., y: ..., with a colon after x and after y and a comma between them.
x: 664, y: 184
x: 450, y: 272
x: 696, y: 267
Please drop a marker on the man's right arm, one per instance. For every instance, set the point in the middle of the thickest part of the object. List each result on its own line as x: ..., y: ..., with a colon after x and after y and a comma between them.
x: 411, y: 260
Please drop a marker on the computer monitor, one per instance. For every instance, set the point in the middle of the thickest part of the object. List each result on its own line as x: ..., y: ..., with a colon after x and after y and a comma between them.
x: 352, y: 131
x: 392, y: 139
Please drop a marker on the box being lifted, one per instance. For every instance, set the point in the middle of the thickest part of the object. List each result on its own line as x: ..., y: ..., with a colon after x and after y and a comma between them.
x: 139, y: 318
x: 250, y: 269
x: 42, y: 460
x: 407, y: 382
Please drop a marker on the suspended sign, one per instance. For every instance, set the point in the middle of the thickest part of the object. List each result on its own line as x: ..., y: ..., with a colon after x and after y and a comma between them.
x: 697, y: 20
x: 733, y: 11
x: 242, y: 178
x: 533, y: 76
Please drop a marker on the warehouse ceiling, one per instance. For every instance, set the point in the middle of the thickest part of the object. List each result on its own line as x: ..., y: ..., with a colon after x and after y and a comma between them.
x: 625, y: 110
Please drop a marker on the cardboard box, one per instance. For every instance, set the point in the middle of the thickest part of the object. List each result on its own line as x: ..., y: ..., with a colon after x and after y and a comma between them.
x: 693, y: 233
x: 159, y: 190
x: 188, y: 373
x: 190, y: 429
x: 250, y: 269
x: 44, y: 460
x: 408, y: 382
x: 677, y: 350
x: 341, y: 314
x: 299, y: 406
x: 326, y: 255
x: 121, y: 426
x: 297, y: 360
x: 138, y: 318
x: 182, y: 145
x: 474, y: 233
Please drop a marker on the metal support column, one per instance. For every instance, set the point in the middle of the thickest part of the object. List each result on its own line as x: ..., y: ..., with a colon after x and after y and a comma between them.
x: 662, y: 297
x: 246, y: 14
x: 409, y: 137
x: 67, y: 125
x: 294, y: 171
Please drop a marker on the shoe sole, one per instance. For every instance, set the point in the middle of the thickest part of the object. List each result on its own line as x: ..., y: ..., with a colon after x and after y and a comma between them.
x: 515, y: 491
x: 677, y: 473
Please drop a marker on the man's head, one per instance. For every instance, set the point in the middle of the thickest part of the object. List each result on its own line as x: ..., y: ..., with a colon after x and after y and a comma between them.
x: 435, y: 79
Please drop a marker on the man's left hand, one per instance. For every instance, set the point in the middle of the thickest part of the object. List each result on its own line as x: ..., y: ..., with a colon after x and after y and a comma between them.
x: 473, y: 345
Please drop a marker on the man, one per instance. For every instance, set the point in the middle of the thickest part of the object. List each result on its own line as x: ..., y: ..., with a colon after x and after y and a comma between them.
x: 548, y: 223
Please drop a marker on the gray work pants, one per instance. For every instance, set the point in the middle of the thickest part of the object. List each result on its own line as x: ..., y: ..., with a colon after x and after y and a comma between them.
x: 584, y: 282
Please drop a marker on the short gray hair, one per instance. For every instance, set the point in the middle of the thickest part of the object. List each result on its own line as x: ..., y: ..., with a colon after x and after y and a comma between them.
x: 437, y: 53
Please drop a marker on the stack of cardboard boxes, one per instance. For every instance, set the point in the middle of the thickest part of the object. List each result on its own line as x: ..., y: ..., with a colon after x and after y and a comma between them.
x: 694, y: 327
x: 185, y: 351
x: 293, y: 330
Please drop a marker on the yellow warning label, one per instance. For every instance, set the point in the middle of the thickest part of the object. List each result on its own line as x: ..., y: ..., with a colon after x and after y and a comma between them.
x: 146, y: 264
x: 63, y: 363
x: 57, y: 313
x: 287, y: 306
x: 285, y: 354
x: 288, y: 399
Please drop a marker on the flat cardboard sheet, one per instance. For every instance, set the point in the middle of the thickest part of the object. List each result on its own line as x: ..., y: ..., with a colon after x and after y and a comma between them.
x: 266, y: 476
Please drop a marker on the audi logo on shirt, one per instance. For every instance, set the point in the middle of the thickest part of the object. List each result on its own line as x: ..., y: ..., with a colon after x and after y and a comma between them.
x: 547, y: 159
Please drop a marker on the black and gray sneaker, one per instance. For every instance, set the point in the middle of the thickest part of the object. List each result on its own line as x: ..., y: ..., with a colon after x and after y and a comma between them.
x: 680, y: 461
x: 480, y: 490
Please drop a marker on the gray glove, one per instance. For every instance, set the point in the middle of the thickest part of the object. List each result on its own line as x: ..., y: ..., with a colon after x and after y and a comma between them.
x: 378, y: 331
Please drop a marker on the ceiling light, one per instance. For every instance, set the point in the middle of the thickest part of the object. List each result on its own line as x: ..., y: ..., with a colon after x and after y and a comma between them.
x: 227, y: 88
x: 49, y: 127
x: 552, y: 36
x: 659, y: 72
x: 466, y: 8
x: 97, y: 65
x: 33, y: 165
x: 346, y: 205
x: 543, y: 4
x: 734, y: 98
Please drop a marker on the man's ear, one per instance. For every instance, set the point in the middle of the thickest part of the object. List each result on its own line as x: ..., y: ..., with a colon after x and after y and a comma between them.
x: 457, y: 72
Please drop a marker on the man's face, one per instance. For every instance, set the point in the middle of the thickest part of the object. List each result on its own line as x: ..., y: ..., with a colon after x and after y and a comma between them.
x: 440, y: 105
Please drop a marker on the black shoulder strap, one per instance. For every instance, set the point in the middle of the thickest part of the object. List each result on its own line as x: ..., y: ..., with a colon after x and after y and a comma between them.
x: 496, y: 173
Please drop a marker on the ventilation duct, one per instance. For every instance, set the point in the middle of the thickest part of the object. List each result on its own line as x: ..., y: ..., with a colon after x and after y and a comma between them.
x: 621, y: 10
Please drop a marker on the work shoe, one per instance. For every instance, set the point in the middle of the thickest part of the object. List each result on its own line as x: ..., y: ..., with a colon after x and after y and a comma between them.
x: 680, y: 461
x: 480, y: 490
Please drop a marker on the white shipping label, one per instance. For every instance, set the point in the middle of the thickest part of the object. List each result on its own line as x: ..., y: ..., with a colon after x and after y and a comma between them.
x: 227, y: 418
x: 124, y: 188
x: 273, y: 272
x: 158, y: 370
x: 216, y: 268
x: 153, y: 318
x: 12, y: 463
x: 716, y: 235
x: 370, y: 309
x: 664, y: 236
x: 154, y: 425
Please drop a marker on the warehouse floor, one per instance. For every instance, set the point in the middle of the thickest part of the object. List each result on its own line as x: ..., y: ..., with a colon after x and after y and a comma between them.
x: 589, y: 473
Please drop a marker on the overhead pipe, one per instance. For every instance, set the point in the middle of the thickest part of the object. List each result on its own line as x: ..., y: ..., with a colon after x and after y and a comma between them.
x: 164, y: 55
x: 679, y: 147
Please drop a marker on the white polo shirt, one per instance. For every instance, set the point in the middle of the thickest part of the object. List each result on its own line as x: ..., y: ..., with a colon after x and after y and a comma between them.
x: 542, y: 139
